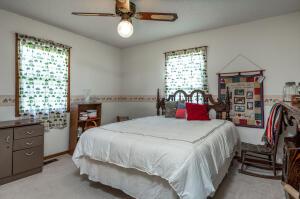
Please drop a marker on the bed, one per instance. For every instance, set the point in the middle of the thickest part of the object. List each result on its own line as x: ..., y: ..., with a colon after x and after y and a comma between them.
x: 161, y: 158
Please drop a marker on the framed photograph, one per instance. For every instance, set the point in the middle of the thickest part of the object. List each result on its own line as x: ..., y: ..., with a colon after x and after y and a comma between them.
x: 249, y: 95
x: 250, y: 105
x: 239, y: 100
x: 240, y: 92
x: 239, y: 108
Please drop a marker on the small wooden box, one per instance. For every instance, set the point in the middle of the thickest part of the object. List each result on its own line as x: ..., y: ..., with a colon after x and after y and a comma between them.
x: 296, y: 101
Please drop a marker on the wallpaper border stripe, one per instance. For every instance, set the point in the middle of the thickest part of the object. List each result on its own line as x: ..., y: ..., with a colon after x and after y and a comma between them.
x: 9, y: 100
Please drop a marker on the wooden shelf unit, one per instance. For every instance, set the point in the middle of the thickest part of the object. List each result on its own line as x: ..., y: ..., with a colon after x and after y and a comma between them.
x: 89, y: 120
x: 291, y: 157
x: 75, y: 122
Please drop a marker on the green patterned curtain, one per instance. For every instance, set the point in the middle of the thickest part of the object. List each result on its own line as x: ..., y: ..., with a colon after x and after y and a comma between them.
x: 186, y: 70
x: 43, y: 80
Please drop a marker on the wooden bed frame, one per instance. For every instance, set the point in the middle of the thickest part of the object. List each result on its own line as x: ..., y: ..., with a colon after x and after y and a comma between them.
x: 222, y: 108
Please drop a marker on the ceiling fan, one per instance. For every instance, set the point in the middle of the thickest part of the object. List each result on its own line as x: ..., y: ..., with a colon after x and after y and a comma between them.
x: 127, y: 10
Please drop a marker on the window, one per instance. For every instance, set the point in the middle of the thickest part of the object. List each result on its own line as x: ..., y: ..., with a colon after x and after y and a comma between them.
x: 186, y: 70
x: 42, y: 80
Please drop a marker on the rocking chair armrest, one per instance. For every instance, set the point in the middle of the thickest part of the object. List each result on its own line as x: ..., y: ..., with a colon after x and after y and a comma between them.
x: 290, y: 190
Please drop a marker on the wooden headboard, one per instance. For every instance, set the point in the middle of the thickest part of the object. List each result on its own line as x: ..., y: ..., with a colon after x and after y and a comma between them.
x: 197, y: 96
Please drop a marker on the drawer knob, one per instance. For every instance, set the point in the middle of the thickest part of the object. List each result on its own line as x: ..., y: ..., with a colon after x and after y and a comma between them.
x: 28, y: 132
x: 29, y: 143
x: 29, y: 154
x: 7, y: 139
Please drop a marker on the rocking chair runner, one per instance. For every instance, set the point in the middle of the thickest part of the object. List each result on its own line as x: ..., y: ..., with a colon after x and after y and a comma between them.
x: 262, y: 156
x: 122, y: 118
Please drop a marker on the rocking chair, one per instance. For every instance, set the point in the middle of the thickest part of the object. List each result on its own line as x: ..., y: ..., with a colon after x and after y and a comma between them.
x: 262, y: 156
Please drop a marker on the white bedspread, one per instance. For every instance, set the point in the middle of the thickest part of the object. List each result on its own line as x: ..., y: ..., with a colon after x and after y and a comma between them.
x: 185, y: 153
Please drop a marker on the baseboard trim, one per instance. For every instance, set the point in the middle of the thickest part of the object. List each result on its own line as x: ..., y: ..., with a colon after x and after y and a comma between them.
x: 56, y: 155
x: 20, y: 175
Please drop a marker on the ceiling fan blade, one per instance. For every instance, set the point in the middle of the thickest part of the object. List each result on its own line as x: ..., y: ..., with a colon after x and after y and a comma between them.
x: 156, y: 16
x: 94, y: 14
x: 123, y: 5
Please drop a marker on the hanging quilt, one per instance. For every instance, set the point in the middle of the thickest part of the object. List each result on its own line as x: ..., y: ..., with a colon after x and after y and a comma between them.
x: 246, y: 99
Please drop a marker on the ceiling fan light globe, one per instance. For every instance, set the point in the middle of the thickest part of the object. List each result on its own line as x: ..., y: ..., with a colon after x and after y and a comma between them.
x: 125, y: 29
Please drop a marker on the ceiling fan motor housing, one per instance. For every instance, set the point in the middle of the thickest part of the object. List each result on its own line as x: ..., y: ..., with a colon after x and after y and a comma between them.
x: 124, y: 12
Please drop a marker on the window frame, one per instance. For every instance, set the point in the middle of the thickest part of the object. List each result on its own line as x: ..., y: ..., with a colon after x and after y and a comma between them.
x: 17, y: 76
x: 186, y: 49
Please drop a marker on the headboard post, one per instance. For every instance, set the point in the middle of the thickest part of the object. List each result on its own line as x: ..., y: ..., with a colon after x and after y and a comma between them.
x: 227, y: 103
x: 157, y: 102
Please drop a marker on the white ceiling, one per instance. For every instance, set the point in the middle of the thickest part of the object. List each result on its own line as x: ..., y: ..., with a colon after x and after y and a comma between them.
x: 194, y: 15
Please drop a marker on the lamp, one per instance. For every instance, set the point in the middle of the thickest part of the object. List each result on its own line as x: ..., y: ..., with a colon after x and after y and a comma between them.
x: 125, y: 28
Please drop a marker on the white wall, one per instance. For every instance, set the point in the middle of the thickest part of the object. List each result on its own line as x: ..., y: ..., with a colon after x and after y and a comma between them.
x: 94, y: 66
x: 272, y: 43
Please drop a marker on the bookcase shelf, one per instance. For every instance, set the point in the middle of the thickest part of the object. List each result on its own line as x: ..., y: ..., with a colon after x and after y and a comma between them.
x: 75, y: 122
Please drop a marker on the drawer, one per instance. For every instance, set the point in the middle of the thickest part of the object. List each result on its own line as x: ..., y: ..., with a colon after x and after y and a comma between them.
x: 6, y: 152
x: 28, y: 143
x: 6, y: 136
x: 28, y: 131
x: 27, y: 159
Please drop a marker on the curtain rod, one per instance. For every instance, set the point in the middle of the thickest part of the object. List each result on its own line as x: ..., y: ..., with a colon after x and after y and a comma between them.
x: 41, y: 39
x: 248, y: 71
x: 185, y: 49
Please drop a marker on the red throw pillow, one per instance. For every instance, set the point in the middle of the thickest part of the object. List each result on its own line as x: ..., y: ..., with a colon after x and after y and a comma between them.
x: 180, y: 113
x: 197, y: 111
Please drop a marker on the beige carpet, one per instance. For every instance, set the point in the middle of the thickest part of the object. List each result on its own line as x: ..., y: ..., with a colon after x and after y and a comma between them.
x: 60, y: 180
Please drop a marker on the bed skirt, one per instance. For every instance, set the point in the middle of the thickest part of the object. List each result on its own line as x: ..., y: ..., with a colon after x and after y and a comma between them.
x: 136, y: 183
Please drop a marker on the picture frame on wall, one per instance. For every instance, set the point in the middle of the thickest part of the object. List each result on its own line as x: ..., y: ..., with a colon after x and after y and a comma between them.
x: 250, y: 105
x: 249, y: 95
x: 239, y: 100
x: 239, y: 108
x: 239, y: 92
